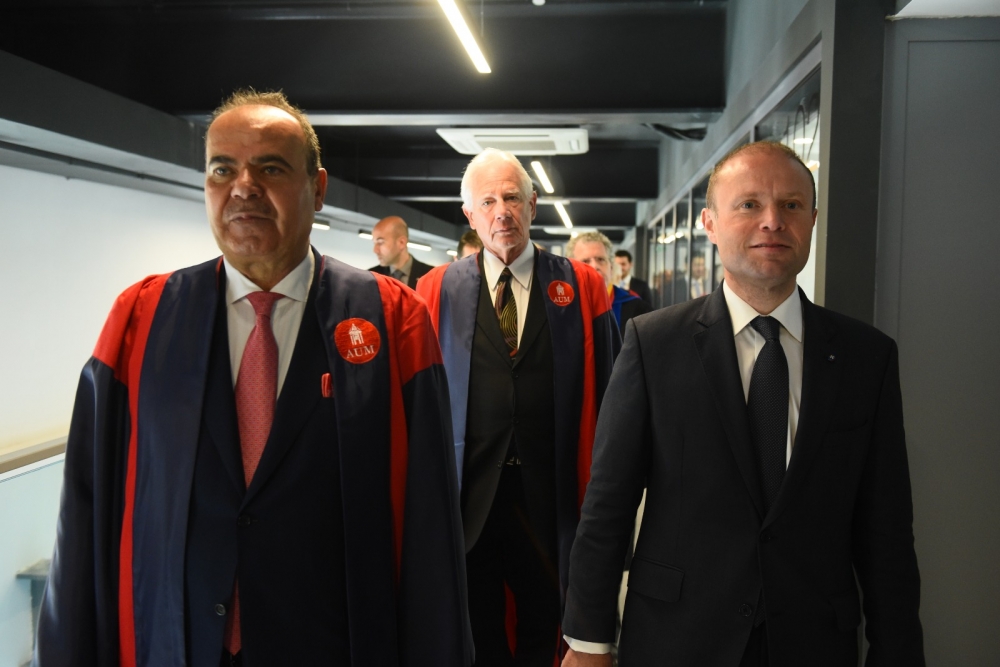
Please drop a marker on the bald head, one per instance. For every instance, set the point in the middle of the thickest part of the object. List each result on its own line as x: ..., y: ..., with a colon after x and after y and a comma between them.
x: 390, y: 237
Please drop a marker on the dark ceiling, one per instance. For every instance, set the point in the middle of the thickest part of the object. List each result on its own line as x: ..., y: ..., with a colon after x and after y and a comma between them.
x: 380, y: 76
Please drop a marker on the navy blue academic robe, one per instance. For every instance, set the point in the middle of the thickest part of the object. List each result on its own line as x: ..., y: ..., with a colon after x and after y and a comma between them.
x: 116, y: 593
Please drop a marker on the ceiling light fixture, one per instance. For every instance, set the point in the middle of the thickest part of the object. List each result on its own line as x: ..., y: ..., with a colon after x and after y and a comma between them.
x: 464, y: 35
x: 418, y: 246
x: 321, y: 225
x: 542, y: 176
x: 451, y: 253
x: 564, y: 215
x: 365, y: 235
x: 802, y: 140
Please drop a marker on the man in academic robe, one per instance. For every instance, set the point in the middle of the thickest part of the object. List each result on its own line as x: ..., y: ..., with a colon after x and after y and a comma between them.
x: 390, y: 237
x: 259, y: 468
x: 767, y: 433
x: 594, y: 250
x: 528, y: 342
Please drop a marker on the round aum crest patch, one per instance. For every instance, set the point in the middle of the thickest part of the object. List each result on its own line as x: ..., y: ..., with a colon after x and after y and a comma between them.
x: 561, y: 293
x: 357, y: 340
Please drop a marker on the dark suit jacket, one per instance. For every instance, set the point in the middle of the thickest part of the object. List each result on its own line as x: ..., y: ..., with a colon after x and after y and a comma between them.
x: 511, y: 400
x: 416, y: 272
x: 675, y: 421
x: 641, y: 289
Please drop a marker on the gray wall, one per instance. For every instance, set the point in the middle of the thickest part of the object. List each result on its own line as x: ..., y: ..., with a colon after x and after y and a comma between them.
x: 938, y: 281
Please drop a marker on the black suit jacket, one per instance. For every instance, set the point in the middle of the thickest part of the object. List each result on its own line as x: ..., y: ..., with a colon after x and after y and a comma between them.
x: 511, y: 400
x: 641, y: 288
x: 675, y: 421
x: 416, y: 272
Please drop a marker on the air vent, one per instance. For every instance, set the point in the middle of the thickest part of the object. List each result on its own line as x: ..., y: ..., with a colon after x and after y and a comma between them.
x: 520, y: 141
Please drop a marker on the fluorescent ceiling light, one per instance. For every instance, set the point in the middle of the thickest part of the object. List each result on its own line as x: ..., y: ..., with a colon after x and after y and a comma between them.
x: 542, y: 176
x: 417, y: 246
x: 464, y: 35
x: 365, y: 235
x: 812, y: 165
x: 451, y: 253
x: 802, y: 140
x: 321, y: 225
x: 564, y: 215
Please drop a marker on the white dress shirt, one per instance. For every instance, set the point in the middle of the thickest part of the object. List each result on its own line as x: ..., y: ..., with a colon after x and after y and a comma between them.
x: 522, y: 269
x: 749, y: 343
x: 285, y: 318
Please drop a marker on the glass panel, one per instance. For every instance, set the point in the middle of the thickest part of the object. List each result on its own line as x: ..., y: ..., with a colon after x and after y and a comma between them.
x: 795, y: 123
x: 700, y: 274
x: 682, y: 249
x: 667, y: 249
x: 655, y: 259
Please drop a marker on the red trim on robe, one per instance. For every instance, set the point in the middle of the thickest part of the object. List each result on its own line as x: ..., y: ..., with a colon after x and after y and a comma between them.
x: 594, y: 302
x: 410, y: 351
x: 429, y: 287
x: 122, y: 346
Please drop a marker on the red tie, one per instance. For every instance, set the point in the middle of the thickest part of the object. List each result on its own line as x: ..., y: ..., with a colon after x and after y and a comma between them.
x: 256, y: 392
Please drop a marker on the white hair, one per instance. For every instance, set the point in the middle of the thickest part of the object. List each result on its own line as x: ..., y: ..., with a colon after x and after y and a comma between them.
x: 589, y: 237
x: 488, y: 156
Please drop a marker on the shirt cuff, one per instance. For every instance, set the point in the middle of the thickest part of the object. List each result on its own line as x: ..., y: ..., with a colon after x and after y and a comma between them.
x: 587, y: 647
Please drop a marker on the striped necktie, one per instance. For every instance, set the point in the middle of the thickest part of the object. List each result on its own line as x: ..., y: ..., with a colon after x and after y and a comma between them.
x: 506, y: 310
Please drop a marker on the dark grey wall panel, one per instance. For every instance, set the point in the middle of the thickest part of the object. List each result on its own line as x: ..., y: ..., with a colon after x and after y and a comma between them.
x: 938, y: 285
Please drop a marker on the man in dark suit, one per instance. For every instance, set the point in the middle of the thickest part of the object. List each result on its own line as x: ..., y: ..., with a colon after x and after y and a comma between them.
x: 390, y: 237
x: 623, y: 258
x: 259, y: 468
x: 768, y: 434
x: 528, y: 344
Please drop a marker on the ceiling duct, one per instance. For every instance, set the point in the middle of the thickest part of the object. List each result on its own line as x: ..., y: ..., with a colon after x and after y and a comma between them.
x: 519, y: 141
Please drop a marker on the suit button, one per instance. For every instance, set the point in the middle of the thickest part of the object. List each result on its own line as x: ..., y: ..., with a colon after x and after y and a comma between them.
x: 244, y: 520
x: 500, y: 464
x: 766, y: 536
x: 220, y: 609
x: 745, y: 610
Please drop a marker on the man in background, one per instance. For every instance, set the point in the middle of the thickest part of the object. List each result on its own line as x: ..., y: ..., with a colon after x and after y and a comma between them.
x: 699, y: 282
x: 389, y: 238
x: 469, y: 244
x: 528, y: 341
x: 623, y: 258
x: 768, y: 435
x: 594, y: 249
x: 259, y: 468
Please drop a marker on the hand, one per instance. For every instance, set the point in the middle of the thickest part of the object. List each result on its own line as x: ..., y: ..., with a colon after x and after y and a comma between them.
x: 574, y: 659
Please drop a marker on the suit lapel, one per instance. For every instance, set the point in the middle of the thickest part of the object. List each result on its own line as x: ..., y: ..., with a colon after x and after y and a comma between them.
x: 535, y: 319
x: 220, y: 400
x: 717, y: 350
x: 820, y: 382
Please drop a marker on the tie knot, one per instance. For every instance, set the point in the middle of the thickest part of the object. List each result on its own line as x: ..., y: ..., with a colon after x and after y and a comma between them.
x: 262, y: 302
x: 766, y: 326
x: 505, y: 276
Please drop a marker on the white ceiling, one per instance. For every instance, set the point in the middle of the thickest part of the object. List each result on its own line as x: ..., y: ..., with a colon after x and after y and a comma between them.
x: 950, y: 8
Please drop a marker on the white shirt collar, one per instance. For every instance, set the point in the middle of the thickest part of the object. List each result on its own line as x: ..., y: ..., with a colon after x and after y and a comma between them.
x: 293, y: 286
x: 789, y: 313
x: 521, y: 267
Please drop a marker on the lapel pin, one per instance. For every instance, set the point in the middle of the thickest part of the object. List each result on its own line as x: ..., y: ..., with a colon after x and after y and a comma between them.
x: 832, y: 357
x: 326, y: 385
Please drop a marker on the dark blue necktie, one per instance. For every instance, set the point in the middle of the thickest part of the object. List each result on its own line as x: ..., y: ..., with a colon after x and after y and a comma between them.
x: 767, y: 405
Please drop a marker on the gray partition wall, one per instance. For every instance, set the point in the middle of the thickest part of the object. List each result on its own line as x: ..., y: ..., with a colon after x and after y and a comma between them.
x: 938, y: 294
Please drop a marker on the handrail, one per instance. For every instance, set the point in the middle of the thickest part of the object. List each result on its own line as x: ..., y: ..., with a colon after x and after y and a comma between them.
x: 25, y: 456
